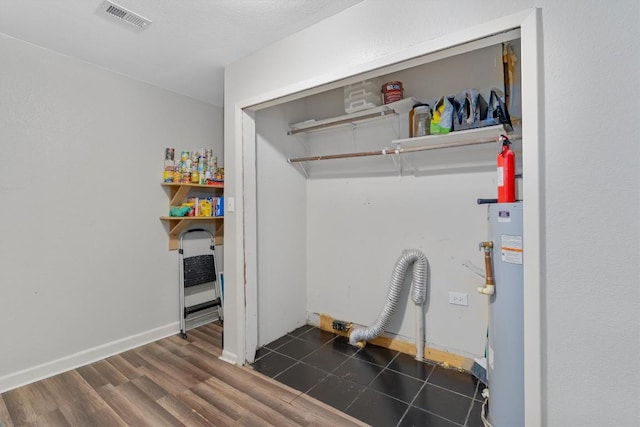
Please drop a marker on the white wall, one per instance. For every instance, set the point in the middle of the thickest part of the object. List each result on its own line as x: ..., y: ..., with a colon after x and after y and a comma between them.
x: 281, y: 230
x: 85, y: 269
x: 591, y: 221
x: 357, y: 228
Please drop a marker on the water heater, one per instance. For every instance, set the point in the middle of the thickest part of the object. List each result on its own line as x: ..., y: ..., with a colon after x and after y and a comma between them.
x: 505, y: 353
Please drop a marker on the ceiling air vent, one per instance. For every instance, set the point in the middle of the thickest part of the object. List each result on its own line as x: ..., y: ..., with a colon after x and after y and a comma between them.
x: 115, y: 11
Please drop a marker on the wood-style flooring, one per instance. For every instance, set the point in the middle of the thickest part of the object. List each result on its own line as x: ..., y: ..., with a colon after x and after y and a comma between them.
x: 170, y: 382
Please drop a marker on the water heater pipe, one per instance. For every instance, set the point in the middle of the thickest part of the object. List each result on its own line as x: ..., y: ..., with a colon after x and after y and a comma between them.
x: 489, y: 287
x: 418, y: 295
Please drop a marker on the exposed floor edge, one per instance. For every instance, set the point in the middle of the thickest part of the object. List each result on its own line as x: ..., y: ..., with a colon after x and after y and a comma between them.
x: 441, y: 357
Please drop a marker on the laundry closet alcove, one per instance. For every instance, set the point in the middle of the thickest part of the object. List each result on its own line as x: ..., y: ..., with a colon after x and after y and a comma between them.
x: 323, y: 239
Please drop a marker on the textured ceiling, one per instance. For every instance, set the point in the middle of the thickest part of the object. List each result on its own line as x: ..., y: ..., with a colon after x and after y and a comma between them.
x: 184, y: 50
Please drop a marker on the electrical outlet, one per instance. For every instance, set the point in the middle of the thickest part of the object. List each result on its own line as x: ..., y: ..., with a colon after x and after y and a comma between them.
x: 458, y: 298
x: 339, y: 325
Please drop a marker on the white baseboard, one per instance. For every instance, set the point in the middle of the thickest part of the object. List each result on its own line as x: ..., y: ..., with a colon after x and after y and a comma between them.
x: 229, y: 357
x: 72, y: 361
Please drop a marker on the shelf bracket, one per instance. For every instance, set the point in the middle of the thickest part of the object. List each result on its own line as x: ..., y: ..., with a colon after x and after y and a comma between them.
x: 354, y: 142
x: 175, y: 229
x: 303, y: 140
x: 178, y: 194
x: 303, y: 169
x: 397, y: 159
x: 396, y: 129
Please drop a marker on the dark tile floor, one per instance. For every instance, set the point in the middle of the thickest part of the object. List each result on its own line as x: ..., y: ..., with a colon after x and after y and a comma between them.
x: 376, y: 385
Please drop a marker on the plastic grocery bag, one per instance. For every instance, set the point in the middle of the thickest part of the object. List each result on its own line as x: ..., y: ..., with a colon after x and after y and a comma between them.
x: 468, y: 113
x: 497, y: 113
x: 473, y: 111
x: 442, y: 118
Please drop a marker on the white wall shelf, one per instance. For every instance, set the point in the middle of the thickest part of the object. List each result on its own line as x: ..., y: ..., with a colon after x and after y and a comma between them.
x: 485, y: 135
x: 353, y: 119
x: 455, y: 139
x: 178, y: 192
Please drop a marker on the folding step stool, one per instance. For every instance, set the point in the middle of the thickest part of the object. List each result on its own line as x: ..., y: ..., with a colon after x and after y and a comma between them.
x: 197, y: 270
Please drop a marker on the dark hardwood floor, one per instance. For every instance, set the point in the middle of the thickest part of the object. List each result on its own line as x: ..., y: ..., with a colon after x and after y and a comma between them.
x: 170, y: 382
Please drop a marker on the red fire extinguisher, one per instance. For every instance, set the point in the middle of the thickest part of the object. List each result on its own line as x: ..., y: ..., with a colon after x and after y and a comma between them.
x: 506, y: 172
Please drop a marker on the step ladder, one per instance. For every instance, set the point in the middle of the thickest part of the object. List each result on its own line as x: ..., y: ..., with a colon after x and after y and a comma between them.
x: 199, y: 269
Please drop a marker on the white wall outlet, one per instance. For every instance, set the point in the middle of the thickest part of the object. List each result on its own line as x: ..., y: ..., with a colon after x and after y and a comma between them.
x: 458, y: 298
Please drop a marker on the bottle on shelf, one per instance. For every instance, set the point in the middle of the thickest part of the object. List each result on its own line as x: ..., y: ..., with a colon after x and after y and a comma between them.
x: 421, y: 120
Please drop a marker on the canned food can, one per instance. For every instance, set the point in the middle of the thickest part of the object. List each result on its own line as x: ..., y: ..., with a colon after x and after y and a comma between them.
x: 186, y: 166
x: 392, y: 91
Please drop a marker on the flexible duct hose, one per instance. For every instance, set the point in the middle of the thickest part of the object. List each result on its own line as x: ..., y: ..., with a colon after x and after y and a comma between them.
x: 418, y: 294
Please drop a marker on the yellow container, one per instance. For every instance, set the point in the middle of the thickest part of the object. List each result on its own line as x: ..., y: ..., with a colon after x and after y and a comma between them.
x: 205, y: 207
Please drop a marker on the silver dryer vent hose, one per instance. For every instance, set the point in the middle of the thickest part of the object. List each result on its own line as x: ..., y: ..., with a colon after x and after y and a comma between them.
x: 418, y: 293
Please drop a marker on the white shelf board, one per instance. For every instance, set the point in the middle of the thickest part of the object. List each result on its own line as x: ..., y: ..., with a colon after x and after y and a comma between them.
x: 457, y: 137
x: 375, y: 113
